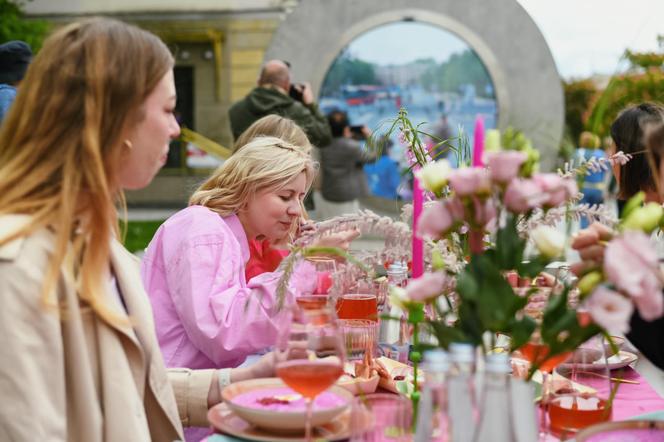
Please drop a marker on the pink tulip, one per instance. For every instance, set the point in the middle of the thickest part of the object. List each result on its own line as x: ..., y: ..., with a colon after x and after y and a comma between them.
x: 483, y: 212
x: 504, y: 166
x: 650, y: 305
x: 557, y: 188
x: 610, y: 310
x: 523, y: 195
x: 470, y: 181
x: 435, y: 221
x: 428, y: 286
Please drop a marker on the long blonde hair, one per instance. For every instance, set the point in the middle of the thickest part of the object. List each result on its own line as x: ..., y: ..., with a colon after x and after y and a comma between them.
x: 263, y: 163
x: 60, y: 145
x: 275, y: 126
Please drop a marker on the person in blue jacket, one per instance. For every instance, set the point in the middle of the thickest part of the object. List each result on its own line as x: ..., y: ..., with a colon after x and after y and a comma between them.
x: 383, y: 175
x: 15, y: 56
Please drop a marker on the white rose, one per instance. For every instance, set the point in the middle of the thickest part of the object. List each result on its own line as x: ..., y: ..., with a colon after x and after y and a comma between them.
x: 549, y: 241
x: 434, y: 176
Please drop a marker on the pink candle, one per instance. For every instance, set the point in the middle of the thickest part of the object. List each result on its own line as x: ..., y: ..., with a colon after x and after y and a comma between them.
x: 418, y: 250
x: 478, y: 142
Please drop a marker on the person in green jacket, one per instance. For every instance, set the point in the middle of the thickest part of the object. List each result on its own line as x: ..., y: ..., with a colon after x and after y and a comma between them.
x: 274, y: 95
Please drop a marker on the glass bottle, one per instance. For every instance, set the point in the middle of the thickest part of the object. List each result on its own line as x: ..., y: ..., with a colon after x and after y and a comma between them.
x: 495, y: 424
x: 390, y: 330
x: 461, y: 391
x: 432, y: 410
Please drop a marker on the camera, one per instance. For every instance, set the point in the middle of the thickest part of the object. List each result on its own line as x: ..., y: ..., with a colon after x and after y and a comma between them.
x: 296, y: 91
x: 357, y: 132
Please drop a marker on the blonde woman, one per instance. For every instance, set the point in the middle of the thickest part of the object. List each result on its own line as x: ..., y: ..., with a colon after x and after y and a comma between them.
x: 194, y: 267
x: 80, y: 359
x: 265, y: 255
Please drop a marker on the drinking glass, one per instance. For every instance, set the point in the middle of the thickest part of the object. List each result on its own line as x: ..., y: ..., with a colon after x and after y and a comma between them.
x: 358, y: 306
x: 359, y: 337
x: 325, y: 269
x: 380, y: 417
x: 581, y: 390
x: 309, y: 354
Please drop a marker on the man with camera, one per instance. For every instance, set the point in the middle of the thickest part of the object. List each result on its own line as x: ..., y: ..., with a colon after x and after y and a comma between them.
x: 342, y: 164
x: 275, y: 94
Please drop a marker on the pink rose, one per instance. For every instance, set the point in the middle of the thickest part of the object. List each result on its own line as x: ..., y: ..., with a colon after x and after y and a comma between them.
x: 504, y: 166
x: 523, y: 195
x: 470, y: 181
x: 557, y: 188
x: 428, y: 286
x: 650, y: 305
x: 610, y: 310
x: 630, y: 262
x: 435, y: 221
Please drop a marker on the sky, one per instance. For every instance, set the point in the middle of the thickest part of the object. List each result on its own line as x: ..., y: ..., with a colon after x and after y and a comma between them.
x: 586, y: 37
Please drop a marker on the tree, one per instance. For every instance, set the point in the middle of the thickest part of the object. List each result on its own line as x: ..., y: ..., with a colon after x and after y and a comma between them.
x: 348, y: 70
x: 579, y: 97
x: 14, y: 25
x: 643, y: 81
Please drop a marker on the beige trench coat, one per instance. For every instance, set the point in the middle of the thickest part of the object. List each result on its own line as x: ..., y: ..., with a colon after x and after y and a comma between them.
x: 73, y: 377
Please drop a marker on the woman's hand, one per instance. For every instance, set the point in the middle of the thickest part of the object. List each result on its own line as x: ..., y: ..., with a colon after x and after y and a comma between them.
x: 590, y: 244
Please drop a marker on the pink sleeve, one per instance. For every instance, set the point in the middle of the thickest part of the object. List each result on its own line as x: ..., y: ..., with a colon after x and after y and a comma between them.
x: 224, y: 317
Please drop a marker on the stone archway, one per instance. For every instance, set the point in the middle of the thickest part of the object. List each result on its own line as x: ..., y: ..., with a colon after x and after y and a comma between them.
x: 528, y: 88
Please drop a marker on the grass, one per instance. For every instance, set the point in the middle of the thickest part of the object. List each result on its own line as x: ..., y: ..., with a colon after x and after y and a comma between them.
x: 138, y: 234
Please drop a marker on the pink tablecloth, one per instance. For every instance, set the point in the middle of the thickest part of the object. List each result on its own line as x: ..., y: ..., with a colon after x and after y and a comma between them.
x: 631, y: 400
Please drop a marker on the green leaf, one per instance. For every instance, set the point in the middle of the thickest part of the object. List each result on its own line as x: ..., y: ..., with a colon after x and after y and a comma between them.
x: 521, y: 331
x: 467, y: 286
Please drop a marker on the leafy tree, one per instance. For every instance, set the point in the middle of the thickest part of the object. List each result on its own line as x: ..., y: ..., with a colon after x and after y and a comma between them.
x: 15, y: 26
x: 347, y: 70
x: 460, y: 69
x: 643, y: 81
x: 579, y: 97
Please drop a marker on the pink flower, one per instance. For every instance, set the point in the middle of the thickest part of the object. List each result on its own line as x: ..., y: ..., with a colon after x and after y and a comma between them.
x: 435, y: 221
x: 504, y: 166
x: 630, y: 262
x: 483, y: 212
x: 455, y: 206
x: 522, y: 196
x: 610, y: 310
x: 428, y: 286
x: 470, y: 181
x: 557, y: 188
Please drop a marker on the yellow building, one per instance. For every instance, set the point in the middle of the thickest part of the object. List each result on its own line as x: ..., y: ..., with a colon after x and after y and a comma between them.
x: 219, y: 47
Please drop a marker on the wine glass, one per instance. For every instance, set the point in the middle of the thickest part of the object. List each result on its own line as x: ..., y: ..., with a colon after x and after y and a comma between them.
x: 582, y: 388
x: 325, y: 268
x: 309, y: 354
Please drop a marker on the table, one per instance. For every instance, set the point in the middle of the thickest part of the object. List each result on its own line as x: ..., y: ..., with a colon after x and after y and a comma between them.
x: 639, y: 401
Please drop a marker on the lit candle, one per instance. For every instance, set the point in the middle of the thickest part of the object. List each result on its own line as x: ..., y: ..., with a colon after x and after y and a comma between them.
x: 418, y: 250
x: 478, y: 142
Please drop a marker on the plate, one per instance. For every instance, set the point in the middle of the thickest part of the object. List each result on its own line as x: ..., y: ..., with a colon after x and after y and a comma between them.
x: 641, y: 430
x: 281, y: 420
x: 620, y: 360
x: 224, y: 420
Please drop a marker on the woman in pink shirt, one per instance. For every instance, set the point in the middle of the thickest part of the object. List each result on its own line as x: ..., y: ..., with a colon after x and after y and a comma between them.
x: 206, y: 313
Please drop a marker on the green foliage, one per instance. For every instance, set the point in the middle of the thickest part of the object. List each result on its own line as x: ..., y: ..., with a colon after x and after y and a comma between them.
x: 137, y: 234
x: 461, y: 68
x: 347, y: 70
x: 14, y: 25
x: 579, y: 96
x: 643, y: 82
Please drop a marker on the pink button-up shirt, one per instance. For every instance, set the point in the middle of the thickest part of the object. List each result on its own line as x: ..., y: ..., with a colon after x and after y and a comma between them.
x: 206, y: 314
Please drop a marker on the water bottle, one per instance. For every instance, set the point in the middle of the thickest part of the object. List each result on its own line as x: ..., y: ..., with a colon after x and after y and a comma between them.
x: 461, y: 392
x: 397, y: 276
x: 432, y: 412
x: 495, y: 424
